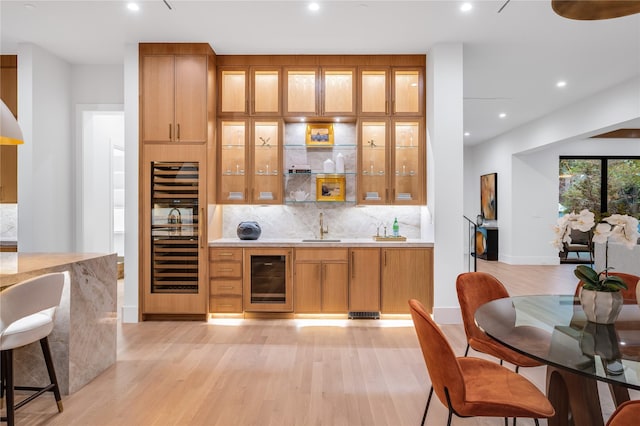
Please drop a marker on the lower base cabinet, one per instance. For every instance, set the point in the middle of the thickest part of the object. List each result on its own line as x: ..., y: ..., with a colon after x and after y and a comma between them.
x: 406, y: 274
x: 321, y: 281
x: 364, y: 280
x: 327, y: 280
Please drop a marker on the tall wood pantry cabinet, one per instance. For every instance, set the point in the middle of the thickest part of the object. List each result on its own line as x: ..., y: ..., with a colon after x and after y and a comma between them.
x: 177, y: 121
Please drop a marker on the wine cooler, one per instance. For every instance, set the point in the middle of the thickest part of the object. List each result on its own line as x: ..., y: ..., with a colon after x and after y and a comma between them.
x: 175, y: 233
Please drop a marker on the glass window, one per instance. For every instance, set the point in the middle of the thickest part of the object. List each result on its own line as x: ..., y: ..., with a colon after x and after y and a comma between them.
x: 623, y: 186
x: 579, y: 185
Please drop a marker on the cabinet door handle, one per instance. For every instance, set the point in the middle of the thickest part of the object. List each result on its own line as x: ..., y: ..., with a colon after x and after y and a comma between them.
x: 170, y: 133
x: 393, y: 106
x: 353, y: 264
x: 200, y: 224
x: 385, y: 258
x: 386, y: 107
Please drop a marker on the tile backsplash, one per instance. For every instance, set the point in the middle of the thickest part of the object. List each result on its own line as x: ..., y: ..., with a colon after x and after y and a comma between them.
x: 8, y: 222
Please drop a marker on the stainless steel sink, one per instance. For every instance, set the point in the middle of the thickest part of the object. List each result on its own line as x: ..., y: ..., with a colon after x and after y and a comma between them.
x: 326, y: 240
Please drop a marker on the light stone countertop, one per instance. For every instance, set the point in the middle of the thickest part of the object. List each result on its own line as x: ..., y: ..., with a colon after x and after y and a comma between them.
x: 297, y: 242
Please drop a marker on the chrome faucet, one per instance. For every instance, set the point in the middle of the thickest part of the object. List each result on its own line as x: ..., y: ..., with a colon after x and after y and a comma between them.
x: 323, y: 230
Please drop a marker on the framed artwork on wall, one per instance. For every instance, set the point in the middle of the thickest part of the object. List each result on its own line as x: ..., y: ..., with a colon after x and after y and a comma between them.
x: 489, y: 196
x: 330, y: 188
x: 319, y: 135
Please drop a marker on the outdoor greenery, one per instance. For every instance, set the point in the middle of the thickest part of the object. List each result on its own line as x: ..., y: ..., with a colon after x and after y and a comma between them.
x: 580, y: 182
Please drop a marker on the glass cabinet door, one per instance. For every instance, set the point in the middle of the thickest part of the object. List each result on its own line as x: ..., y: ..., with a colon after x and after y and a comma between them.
x: 374, y: 91
x: 233, y: 162
x: 373, y: 166
x: 233, y: 91
x: 265, y: 88
x: 301, y: 92
x: 407, y: 90
x: 267, y: 178
x: 338, y: 95
x: 407, y: 163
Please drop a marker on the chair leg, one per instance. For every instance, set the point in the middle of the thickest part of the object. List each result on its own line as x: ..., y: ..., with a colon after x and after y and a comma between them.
x: 46, y: 351
x: 7, y: 366
x: 517, y: 368
x: 536, y: 421
x: 450, y: 414
x: 466, y: 350
x: 424, y: 416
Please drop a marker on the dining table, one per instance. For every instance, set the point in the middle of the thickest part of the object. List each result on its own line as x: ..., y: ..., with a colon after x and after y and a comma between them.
x: 553, y: 330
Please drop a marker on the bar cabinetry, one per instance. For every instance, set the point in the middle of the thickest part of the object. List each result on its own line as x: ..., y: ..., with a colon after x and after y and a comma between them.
x: 321, y: 280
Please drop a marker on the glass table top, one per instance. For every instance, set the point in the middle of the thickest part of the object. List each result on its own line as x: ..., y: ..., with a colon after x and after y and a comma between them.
x: 554, y: 330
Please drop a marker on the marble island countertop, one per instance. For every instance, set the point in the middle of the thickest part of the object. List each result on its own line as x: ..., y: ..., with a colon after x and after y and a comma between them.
x: 327, y: 242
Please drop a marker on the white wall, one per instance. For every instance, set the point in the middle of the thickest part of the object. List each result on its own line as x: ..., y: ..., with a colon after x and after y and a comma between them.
x: 97, y: 84
x: 46, y: 164
x: 526, y: 160
x: 445, y: 135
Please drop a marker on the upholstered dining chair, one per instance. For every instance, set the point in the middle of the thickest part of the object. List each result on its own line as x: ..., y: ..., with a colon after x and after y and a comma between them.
x: 27, y: 310
x: 629, y: 279
x: 475, y: 289
x: 469, y: 386
x: 626, y: 414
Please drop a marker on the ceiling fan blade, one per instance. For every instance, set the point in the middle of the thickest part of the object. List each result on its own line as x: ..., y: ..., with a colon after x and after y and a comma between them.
x: 595, y: 9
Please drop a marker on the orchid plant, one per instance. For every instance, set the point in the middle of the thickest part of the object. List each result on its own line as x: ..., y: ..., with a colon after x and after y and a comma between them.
x: 615, y: 228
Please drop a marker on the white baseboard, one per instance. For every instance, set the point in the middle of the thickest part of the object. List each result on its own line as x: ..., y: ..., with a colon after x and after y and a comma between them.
x: 129, y: 314
x: 530, y: 260
x: 448, y: 315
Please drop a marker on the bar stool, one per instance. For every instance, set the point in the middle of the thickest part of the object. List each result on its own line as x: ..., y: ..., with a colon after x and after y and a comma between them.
x: 26, y: 316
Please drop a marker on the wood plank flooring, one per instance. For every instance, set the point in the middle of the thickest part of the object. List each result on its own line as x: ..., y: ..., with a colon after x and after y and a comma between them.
x: 278, y: 372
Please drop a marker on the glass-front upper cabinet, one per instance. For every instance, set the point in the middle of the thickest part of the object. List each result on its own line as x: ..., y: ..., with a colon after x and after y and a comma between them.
x: 233, y: 90
x: 300, y: 92
x: 232, y: 167
x: 266, y: 185
x: 250, y: 162
x: 338, y: 92
x: 408, y: 159
x: 408, y: 89
x: 402, y: 94
x: 326, y: 91
x: 265, y: 91
x: 373, y: 163
x: 391, y: 161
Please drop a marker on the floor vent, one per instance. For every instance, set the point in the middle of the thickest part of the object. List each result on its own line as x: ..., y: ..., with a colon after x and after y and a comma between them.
x: 364, y: 315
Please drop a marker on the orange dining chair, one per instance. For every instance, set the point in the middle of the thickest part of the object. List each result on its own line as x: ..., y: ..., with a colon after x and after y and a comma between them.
x: 475, y: 289
x: 469, y: 386
x: 629, y: 295
x: 626, y: 414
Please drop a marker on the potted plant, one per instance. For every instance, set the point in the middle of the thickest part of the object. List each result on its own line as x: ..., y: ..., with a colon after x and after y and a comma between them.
x: 600, y: 295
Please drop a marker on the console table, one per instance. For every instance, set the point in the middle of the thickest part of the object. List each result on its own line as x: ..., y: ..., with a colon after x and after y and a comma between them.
x: 83, y: 340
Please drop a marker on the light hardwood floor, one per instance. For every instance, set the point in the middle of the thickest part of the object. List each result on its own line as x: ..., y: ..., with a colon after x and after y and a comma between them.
x: 279, y: 372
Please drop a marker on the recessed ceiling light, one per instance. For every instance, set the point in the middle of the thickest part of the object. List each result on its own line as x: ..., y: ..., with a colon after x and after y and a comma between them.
x: 314, y: 6
x: 561, y: 84
x: 133, y: 7
x: 465, y: 7
x: 467, y: 134
x: 502, y: 115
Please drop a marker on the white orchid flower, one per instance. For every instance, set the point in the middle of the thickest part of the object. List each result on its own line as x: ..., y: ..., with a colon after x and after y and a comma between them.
x: 601, y: 233
x: 625, y: 229
x: 584, y: 221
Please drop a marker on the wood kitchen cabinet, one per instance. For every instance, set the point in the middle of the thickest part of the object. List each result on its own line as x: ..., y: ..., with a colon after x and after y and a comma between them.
x: 320, y: 91
x: 250, y: 161
x: 406, y: 274
x: 397, y: 91
x: 249, y: 91
x: 225, y: 280
x: 175, y: 100
x: 391, y: 163
x: 321, y: 278
x: 364, y: 280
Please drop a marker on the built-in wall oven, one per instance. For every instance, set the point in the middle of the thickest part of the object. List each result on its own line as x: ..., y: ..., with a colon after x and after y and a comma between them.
x: 268, y: 283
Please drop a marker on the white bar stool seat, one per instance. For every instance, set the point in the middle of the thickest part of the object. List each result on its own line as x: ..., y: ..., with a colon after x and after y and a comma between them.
x: 27, y: 311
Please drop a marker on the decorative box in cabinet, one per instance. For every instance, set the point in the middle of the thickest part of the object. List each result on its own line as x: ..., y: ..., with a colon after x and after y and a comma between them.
x: 225, y: 280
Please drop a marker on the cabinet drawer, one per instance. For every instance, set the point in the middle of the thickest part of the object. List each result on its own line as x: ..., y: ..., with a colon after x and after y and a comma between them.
x: 225, y: 254
x: 226, y: 304
x: 226, y: 287
x: 322, y: 254
x: 225, y: 269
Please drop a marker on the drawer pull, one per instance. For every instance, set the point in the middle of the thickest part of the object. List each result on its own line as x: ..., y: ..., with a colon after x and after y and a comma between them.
x: 226, y: 269
x: 225, y: 254
x: 225, y: 287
